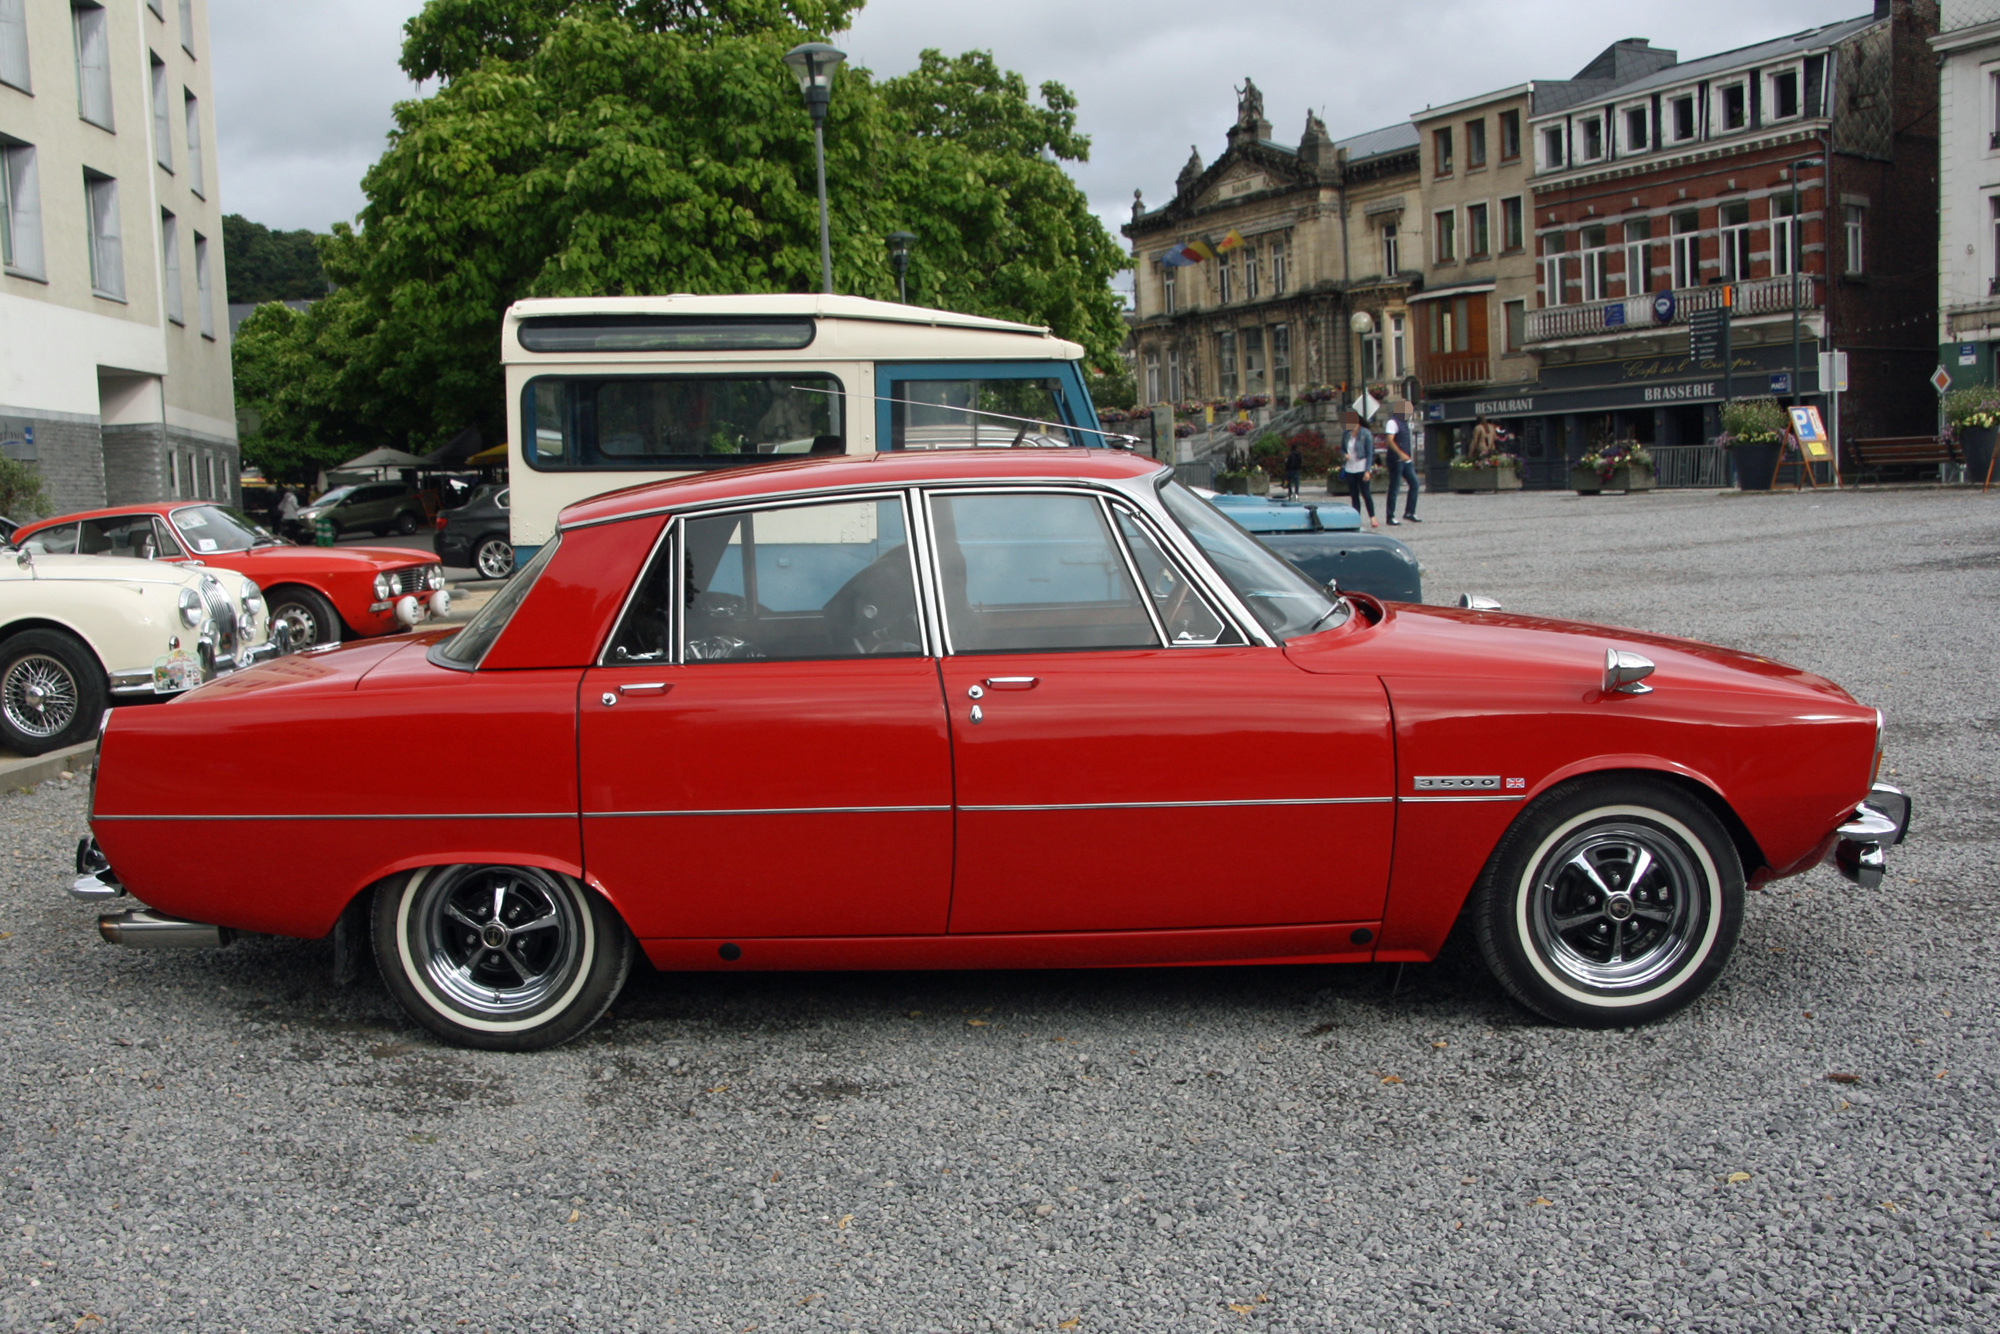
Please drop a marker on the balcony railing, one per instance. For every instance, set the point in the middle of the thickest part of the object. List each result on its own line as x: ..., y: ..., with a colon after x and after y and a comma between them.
x: 1635, y: 314
x: 1446, y: 369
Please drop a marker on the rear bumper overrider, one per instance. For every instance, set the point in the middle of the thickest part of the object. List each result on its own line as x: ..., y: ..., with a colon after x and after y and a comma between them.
x: 1878, y: 824
x: 137, y: 928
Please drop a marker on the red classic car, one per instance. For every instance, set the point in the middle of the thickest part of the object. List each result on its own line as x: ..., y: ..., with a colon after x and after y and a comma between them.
x: 321, y: 595
x: 981, y: 709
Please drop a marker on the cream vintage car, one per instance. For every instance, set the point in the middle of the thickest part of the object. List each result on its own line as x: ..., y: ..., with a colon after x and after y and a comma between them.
x: 77, y: 632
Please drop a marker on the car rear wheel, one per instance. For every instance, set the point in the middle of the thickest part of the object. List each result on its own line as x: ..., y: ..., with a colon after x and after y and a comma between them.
x: 493, y: 557
x: 52, y: 692
x: 508, y: 958
x: 1610, y: 901
x: 406, y: 523
x: 310, y: 616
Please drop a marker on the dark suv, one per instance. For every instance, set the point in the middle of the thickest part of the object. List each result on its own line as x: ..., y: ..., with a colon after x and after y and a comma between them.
x: 376, y: 507
x: 476, y: 534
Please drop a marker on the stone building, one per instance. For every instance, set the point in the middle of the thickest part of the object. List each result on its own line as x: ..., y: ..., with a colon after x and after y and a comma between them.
x: 1968, y: 47
x: 1325, y: 234
x: 114, y: 355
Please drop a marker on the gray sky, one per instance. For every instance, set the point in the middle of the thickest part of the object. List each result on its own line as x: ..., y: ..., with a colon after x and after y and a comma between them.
x: 303, y: 92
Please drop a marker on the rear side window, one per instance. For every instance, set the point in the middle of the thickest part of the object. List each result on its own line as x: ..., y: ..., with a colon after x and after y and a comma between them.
x: 130, y: 535
x: 465, y: 649
x: 1026, y: 572
x: 959, y: 414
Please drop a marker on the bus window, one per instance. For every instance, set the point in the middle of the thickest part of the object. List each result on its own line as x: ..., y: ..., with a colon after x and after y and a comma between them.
x: 955, y: 414
x: 642, y: 423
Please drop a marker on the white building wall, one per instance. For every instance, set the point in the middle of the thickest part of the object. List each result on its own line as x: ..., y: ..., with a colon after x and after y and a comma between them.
x: 1968, y: 175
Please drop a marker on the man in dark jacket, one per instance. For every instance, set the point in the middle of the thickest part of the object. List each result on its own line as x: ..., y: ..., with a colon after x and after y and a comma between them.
x: 1295, y: 467
x: 1402, y: 469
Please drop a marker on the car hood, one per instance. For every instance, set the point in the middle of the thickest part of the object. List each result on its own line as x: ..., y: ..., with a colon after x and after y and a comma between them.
x: 357, y: 559
x: 104, y: 570
x: 1412, y: 640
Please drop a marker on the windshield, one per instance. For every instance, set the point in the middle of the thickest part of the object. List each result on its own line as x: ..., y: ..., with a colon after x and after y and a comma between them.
x: 1286, y: 602
x: 210, y: 528
x: 335, y: 496
x: 465, y: 649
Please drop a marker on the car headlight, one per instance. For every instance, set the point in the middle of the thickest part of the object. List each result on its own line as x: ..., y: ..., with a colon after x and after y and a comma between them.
x: 434, y: 577
x: 252, y: 603
x: 384, y: 588
x: 191, y: 608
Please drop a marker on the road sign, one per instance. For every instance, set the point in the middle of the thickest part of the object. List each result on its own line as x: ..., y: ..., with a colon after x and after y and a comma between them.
x: 1614, y: 314
x: 1781, y: 382
x: 1968, y: 354
x: 1940, y: 380
x: 1705, y: 334
x: 1811, y: 431
x: 1663, y: 307
x: 1833, y: 371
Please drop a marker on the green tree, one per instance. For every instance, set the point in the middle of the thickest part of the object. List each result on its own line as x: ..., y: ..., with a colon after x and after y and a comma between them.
x: 21, y: 494
x: 581, y: 149
x: 267, y: 265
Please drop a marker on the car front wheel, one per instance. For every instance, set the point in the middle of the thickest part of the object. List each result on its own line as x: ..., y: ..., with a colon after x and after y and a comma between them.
x: 494, y: 557
x: 508, y: 958
x: 1611, y: 901
x: 311, y: 617
x: 52, y: 692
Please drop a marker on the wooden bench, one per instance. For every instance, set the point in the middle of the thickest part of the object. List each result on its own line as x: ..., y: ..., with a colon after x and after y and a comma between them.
x: 1898, y: 451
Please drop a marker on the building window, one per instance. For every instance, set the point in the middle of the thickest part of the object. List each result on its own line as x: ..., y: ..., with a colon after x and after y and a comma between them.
x: 1552, y: 269
x: 170, y: 248
x: 1593, y: 137
x: 107, y: 250
x: 1391, y: 259
x: 1253, y: 360
x: 1517, y: 325
x: 1398, y: 344
x: 1446, y: 225
x: 1732, y: 106
x: 1993, y: 110
x: 204, y: 286
x: 1637, y: 278
x: 1225, y: 364
x: 1781, y: 95
x: 1686, y: 247
x: 1174, y: 374
x: 1595, y: 265
x: 194, y: 144
x: 1683, y: 119
x: 1222, y: 278
x: 93, y: 64
x: 1278, y: 267
x: 20, y: 210
x: 1441, y: 151
x: 1783, y: 235
x: 1152, y: 377
x: 187, y: 26
x: 1450, y: 326
x: 163, y: 124
x: 1281, y: 364
x: 1250, y: 273
x: 1854, y: 214
x: 1735, y: 220
x: 1510, y: 135
x: 1635, y: 130
x: 174, y: 473
x: 1167, y: 289
x: 1510, y: 224
x: 1475, y: 143
x: 14, y: 44
x: 1478, y: 234
x: 1371, y: 356
x: 1552, y: 147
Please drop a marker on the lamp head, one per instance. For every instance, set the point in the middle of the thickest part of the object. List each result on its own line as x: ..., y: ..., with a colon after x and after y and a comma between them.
x: 1363, y: 323
x: 899, y: 248
x: 814, y: 64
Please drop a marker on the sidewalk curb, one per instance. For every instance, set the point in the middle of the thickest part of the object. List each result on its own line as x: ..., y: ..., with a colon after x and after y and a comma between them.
x: 26, y: 772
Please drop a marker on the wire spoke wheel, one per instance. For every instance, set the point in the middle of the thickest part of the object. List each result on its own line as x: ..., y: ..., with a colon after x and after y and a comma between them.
x: 1617, y: 905
x: 497, y: 941
x: 39, y: 695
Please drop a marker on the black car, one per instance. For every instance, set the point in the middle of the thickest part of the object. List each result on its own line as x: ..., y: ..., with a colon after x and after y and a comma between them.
x: 476, y: 534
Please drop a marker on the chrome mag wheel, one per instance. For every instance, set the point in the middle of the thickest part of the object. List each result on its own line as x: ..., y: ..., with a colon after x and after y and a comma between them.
x: 39, y: 695
x: 495, y: 558
x: 497, y: 942
x: 1617, y: 905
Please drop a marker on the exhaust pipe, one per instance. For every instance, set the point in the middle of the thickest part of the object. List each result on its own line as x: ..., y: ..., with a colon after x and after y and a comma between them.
x: 142, y: 928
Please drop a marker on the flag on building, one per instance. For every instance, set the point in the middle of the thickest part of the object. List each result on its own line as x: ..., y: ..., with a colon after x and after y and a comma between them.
x: 1194, y: 252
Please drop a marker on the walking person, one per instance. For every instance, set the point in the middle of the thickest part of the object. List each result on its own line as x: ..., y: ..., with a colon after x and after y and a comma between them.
x: 1357, y: 448
x: 1402, y: 468
x: 1295, y: 467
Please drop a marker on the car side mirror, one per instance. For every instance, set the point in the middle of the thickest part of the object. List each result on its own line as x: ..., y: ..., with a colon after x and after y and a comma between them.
x: 1624, y: 671
x: 1474, y: 602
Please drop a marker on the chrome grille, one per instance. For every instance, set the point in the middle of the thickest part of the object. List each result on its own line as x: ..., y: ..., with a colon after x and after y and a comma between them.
x: 410, y: 580
x: 223, y: 612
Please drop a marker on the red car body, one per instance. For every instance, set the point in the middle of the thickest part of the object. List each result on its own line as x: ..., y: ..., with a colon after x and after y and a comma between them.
x: 859, y: 814
x: 344, y: 576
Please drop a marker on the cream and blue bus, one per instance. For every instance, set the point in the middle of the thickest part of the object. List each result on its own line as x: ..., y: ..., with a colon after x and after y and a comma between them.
x: 606, y: 392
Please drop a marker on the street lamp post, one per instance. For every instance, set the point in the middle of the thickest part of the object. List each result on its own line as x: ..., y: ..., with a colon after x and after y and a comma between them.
x: 1797, y: 250
x: 899, y: 259
x: 814, y: 63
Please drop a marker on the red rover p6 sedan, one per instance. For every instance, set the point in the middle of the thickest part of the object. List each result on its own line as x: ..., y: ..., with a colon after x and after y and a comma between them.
x: 969, y: 709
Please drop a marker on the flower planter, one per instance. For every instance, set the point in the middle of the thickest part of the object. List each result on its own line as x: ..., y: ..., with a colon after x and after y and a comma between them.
x: 1977, y: 444
x: 1485, y: 479
x: 1756, y: 462
x: 1590, y: 482
x: 1235, y: 486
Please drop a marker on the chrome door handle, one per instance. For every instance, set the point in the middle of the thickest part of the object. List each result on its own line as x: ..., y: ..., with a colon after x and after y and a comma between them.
x: 645, y: 688
x: 1012, y: 682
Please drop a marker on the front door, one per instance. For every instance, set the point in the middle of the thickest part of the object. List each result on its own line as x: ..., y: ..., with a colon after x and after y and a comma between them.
x: 764, y: 750
x: 1125, y: 761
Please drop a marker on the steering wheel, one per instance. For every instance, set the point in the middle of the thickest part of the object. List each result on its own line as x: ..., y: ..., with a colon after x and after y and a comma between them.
x: 876, y: 610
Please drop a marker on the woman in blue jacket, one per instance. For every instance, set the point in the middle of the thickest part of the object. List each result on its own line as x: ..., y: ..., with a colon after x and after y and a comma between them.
x: 1357, y: 447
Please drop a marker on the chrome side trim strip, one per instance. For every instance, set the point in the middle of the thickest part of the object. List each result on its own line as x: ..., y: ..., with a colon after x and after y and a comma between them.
x: 1182, y: 805
x: 771, y: 810
x: 1522, y: 796
x: 440, y: 815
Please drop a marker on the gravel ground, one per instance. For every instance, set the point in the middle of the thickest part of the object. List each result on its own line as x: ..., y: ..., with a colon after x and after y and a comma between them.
x: 223, y: 1141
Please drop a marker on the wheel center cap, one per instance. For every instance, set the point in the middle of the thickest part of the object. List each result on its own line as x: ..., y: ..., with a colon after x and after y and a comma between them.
x: 1618, y: 908
x: 493, y: 935
x: 35, y: 696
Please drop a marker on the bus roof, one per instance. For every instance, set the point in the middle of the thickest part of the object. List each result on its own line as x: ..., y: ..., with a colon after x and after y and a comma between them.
x: 845, y: 326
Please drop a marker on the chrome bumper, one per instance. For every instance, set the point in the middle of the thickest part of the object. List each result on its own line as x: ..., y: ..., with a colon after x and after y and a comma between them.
x: 1879, y: 823
x: 140, y: 680
x: 139, y: 928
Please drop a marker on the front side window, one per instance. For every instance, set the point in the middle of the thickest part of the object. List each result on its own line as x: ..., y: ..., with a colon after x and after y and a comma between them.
x: 1183, y: 612
x: 790, y: 583
x: 93, y: 63
x: 107, y: 248
x: 960, y: 414
x: 465, y: 649
x: 681, y: 422
x: 20, y: 210
x: 1028, y: 572
x: 57, y: 541
x: 1285, y: 602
